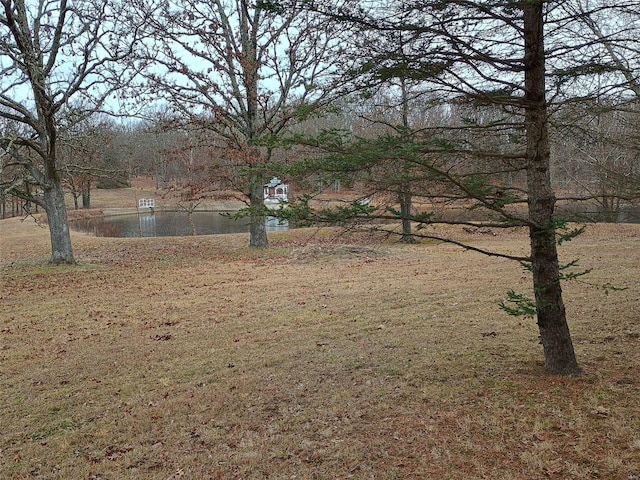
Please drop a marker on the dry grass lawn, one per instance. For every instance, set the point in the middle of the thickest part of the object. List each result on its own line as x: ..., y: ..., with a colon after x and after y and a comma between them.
x: 324, y: 357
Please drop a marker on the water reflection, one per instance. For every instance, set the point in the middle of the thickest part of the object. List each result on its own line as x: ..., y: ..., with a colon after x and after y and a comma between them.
x: 169, y: 224
x: 148, y: 225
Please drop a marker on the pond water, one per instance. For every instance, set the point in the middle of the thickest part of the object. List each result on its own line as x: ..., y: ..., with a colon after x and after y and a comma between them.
x: 168, y: 224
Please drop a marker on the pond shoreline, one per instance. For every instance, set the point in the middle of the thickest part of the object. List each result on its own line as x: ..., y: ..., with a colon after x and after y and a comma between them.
x: 167, y: 222
x: 79, y: 214
x: 107, y: 212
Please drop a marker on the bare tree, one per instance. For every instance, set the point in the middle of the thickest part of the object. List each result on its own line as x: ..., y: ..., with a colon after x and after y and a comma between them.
x: 244, y: 70
x: 607, y: 33
x: 597, y: 131
x: 59, y: 62
x: 83, y: 150
x: 597, y: 167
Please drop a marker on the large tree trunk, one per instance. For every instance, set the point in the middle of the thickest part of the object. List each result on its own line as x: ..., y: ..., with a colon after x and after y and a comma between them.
x: 405, y: 210
x: 61, y: 251
x: 554, y: 332
x: 257, y: 224
x: 405, y: 196
x: 86, y: 196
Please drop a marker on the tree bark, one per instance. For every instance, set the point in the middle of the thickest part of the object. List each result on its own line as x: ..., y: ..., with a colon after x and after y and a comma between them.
x: 251, y: 67
x: 86, y: 197
x: 552, y: 323
x: 405, y: 210
x: 257, y: 225
x: 61, y: 250
x: 405, y: 199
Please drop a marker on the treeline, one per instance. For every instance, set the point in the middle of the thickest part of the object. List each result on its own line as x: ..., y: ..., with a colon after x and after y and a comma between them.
x: 595, y: 157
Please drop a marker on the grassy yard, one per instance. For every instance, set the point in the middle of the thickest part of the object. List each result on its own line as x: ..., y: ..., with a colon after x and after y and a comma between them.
x: 323, y: 357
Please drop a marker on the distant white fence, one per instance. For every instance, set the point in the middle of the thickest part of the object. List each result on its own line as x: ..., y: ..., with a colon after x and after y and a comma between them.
x: 146, y: 203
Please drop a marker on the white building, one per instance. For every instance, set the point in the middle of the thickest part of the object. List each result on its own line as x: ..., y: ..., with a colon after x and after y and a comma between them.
x: 276, y: 193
